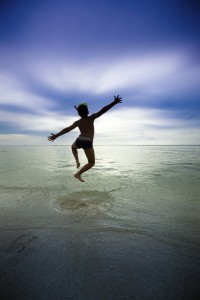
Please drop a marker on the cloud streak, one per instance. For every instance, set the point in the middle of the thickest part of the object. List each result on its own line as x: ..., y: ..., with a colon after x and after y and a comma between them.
x: 129, y: 126
x: 101, y: 76
x: 14, y: 93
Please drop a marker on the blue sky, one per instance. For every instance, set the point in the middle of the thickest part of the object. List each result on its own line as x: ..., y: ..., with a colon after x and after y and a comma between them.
x: 55, y: 54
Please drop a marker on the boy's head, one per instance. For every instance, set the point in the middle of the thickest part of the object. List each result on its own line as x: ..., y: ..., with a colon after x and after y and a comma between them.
x: 83, y: 110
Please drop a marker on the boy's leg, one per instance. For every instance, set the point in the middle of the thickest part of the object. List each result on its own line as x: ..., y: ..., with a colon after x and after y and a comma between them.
x: 91, y: 162
x: 75, y: 153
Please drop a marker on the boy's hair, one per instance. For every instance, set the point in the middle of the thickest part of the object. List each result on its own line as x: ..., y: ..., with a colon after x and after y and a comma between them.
x: 83, y: 110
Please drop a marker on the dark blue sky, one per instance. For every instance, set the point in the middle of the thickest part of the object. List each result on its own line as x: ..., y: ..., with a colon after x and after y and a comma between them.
x: 55, y: 54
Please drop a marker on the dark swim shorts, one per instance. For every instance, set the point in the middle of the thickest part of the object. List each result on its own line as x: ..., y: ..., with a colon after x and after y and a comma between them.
x: 84, y: 143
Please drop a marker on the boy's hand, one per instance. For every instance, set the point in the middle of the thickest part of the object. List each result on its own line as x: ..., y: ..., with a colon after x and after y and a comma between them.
x: 52, y: 137
x: 117, y: 99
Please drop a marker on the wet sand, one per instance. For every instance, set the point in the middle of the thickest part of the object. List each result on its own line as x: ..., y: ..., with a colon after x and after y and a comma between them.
x: 70, y: 263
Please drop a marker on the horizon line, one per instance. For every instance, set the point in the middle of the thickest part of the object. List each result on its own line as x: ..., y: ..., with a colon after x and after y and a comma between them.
x: 136, y: 145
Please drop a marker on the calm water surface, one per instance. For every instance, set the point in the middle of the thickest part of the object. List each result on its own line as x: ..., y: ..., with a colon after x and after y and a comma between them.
x: 151, y: 189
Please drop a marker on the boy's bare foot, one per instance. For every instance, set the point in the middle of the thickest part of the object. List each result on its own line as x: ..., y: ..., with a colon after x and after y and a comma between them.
x: 77, y: 176
x: 78, y: 164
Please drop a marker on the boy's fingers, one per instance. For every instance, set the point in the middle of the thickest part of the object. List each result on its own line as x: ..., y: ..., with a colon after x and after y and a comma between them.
x: 117, y: 98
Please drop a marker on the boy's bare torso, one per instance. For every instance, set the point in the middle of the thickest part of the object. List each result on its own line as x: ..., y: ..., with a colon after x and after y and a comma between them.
x: 86, y: 127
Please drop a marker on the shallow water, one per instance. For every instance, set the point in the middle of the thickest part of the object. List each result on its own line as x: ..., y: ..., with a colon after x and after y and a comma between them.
x: 147, y: 191
x: 149, y: 188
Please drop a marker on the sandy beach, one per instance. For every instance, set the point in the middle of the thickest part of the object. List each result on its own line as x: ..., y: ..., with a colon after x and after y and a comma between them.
x: 68, y: 263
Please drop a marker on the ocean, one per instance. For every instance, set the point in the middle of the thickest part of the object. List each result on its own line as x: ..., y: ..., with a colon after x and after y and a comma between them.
x: 130, y: 231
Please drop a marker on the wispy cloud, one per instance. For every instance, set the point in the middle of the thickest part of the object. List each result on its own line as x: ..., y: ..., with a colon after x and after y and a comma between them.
x: 14, y: 92
x: 127, y: 126
x: 43, y: 122
x: 101, y: 76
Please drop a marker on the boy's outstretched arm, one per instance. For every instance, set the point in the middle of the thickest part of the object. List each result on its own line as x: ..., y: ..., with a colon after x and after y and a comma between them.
x: 107, y: 107
x: 52, y: 137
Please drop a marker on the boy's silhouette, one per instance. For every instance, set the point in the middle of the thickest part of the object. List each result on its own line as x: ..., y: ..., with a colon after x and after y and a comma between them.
x: 85, y: 139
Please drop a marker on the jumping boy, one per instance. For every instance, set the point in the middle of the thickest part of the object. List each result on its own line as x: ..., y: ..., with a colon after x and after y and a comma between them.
x: 85, y: 139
